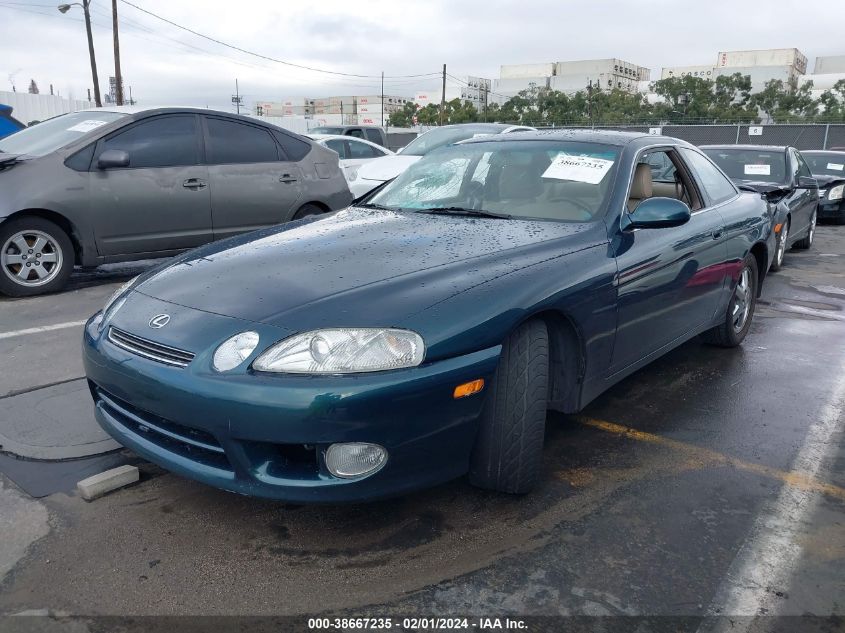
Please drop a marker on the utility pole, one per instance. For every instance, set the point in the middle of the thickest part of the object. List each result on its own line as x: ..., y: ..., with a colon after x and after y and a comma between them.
x: 118, y: 91
x: 382, y: 98
x: 64, y: 8
x: 443, y: 97
x: 590, y: 101
x: 237, y: 98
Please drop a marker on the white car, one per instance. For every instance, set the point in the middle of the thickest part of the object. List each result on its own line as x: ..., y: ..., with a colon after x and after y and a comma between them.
x: 353, y: 152
x: 376, y: 172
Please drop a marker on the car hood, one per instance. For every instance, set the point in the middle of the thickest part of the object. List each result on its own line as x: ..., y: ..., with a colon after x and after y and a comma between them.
x: 387, y: 167
x: 357, y: 266
x: 825, y: 181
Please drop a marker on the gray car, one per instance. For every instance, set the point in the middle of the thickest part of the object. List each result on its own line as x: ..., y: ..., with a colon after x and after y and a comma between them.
x: 103, y: 186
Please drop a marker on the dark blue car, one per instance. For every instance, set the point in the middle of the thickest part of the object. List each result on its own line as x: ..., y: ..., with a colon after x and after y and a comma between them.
x: 8, y: 123
x: 423, y: 334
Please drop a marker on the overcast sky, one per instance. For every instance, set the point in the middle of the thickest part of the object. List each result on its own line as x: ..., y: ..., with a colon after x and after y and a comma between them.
x: 165, y: 65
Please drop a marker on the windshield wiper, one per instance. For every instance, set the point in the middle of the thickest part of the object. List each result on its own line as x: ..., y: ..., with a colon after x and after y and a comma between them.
x: 370, y: 205
x: 476, y: 213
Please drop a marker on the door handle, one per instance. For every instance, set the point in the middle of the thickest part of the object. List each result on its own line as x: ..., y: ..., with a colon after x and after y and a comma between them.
x: 717, y: 233
x: 194, y: 183
x: 286, y: 178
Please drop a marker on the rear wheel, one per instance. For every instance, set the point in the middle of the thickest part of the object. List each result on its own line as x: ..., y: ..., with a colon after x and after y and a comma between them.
x: 36, y: 257
x: 308, y: 209
x: 737, y: 320
x: 807, y: 242
x: 508, y: 451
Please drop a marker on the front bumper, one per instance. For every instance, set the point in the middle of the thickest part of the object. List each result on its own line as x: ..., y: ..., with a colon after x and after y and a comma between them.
x: 266, y: 435
x: 832, y: 210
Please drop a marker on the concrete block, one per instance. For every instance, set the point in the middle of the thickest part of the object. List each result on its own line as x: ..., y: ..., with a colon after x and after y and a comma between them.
x: 98, y: 485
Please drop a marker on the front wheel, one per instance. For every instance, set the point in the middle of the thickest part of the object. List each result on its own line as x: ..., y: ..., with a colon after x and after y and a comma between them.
x: 36, y: 257
x: 307, y: 210
x: 508, y: 451
x: 780, y: 250
x: 807, y: 242
x: 737, y: 320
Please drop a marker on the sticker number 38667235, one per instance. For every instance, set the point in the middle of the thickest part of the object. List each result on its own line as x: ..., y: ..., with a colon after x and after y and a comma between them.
x: 589, y: 169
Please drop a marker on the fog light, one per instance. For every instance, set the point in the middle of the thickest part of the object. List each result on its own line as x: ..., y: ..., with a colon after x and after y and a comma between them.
x: 354, y: 459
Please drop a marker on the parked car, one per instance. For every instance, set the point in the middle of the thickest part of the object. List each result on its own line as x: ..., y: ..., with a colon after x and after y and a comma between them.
x: 116, y: 185
x: 353, y: 152
x: 371, y: 133
x: 380, y: 171
x: 828, y: 168
x: 783, y: 177
x: 424, y: 334
x: 8, y: 123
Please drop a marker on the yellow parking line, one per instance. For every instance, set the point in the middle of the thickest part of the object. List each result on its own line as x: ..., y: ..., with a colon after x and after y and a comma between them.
x: 793, y: 479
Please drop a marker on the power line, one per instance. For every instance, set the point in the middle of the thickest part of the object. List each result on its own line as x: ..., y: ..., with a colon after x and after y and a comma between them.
x: 259, y: 55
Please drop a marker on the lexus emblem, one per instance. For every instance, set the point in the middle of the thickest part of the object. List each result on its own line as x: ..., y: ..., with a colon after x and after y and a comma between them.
x: 159, y: 321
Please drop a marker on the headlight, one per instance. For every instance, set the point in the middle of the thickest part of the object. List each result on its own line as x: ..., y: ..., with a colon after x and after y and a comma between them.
x: 232, y: 352
x: 836, y: 192
x: 344, y: 351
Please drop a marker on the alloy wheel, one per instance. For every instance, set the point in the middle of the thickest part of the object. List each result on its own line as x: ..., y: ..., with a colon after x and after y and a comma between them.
x: 742, y: 300
x: 31, y: 258
x: 784, y: 236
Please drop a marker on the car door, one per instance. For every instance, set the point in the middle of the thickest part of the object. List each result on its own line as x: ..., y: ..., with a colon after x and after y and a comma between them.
x: 160, y: 202
x: 252, y: 183
x: 669, y: 280
x: 807, y: 199
x: 358, y: 153
x: 340, y: 146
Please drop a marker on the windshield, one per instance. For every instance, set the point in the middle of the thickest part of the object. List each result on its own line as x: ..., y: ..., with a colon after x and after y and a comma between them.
x: 50, y: 135
x: 750, y: 165
x: 556, y: 180
x: 439, y: 137
x: 326, y: 130
x: 825, y: 163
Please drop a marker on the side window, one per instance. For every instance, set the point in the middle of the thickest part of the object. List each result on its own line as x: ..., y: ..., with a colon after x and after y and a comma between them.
x: 356, y: 132
x: 715, y: 184
x: 662, y: 168
x: 339, y: 146
x: 231, y: 143
x: 296, y: 149
x: 166, y: 141
x: 803, y: 168
x: 361, y: 150
x: 373, y: 135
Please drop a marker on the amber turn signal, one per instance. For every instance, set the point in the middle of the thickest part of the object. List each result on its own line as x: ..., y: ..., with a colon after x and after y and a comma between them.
x: 468, y: 388
x: 778, y: 228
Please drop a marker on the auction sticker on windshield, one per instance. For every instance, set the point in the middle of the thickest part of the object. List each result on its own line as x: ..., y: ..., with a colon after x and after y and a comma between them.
x: 587, y: 169
x: 758, y: 170
x: 836, y: 166
x: 86, y: 126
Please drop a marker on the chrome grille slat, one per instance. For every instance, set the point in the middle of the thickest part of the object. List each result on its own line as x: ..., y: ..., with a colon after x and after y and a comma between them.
x: 149, y: 349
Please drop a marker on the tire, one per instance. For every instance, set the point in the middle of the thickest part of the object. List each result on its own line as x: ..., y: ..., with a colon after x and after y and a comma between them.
x: 508, y: 450
x: 807, y: 242
x: 728, y: 334
x: 36, y: 245
x: 308, y: 209
x: 780, y: 248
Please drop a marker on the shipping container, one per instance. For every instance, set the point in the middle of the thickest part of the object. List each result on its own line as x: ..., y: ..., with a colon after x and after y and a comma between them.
x: 516, y: 85
x: 767, y: 57
x: 610, y: 66
x: 760, y: 75
x: 522, y: 71
x: 830, y: 64
x: 602, y: 81
x: 704, y: 72
x: 822, y: 82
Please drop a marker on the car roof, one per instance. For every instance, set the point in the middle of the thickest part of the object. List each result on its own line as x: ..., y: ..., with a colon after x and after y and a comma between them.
x: 349, y: 127
x: 823, y: 151
x: 585, y: 135
x: 751, y: 146
x: 342, y: 137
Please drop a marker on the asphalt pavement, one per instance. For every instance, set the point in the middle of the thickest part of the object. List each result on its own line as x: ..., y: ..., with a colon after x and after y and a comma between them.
x: 711, y: 482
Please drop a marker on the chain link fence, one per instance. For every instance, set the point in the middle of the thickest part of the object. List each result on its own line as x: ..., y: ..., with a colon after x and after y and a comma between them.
x: 800, y: 136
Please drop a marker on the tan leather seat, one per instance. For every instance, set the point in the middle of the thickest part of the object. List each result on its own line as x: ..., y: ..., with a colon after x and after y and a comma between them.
x: 642, y: 187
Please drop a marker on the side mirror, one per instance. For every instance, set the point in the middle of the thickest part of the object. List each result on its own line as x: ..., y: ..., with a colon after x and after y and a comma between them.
x: 807, y: 182
x: 113, y: 158
x: 399, y: 150
x: 656, y: 213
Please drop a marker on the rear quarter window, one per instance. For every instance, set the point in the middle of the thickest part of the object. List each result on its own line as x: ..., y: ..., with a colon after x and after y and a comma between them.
x: 294, y: 148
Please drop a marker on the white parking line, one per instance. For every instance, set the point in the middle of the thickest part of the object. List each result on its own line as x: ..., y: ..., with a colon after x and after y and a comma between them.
x: 764, y: 565
x: 43, y: 328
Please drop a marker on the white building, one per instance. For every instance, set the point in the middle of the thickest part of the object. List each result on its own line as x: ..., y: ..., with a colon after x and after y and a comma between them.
x: 571, y: 76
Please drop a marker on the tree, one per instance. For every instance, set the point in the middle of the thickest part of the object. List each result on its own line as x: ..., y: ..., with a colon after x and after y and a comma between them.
x: 782, y: 104
x: 403, y: 117
x: 33, y: 87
